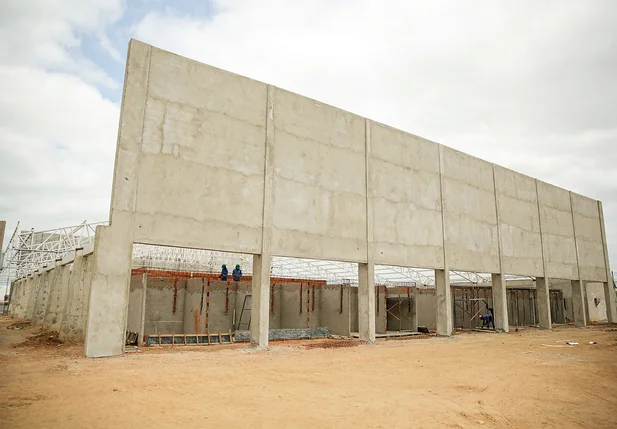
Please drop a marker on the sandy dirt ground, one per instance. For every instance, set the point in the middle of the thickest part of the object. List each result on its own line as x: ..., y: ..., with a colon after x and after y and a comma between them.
x: 470, y: 380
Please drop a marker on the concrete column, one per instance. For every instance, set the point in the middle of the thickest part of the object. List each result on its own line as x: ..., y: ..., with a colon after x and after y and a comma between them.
x: 609, y: 287
x: 142, y: 322
x: 609, y: 297
x: 585, y: 301
x: 444, y: 302
x: 260, y: 286
x: 500, y: 303
x: 366, y: 302
x: 578, y: 303
x: 414, y: 309
x: 260, y: 301
x: 543, y: 301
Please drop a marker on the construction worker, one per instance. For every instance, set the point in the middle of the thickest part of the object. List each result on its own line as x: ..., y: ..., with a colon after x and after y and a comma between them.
x: 237, y: 273
x: 224, y: 272
x: 487, y: 319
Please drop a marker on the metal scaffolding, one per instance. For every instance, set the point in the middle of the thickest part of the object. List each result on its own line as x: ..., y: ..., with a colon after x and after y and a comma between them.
x: 29, y: 250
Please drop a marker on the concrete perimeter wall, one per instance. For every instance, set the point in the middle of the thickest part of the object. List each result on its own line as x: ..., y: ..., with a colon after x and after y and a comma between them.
x: 56, y: 297
x: 310, y: 180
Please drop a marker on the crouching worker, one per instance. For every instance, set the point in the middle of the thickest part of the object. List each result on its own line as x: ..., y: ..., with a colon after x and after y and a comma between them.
x: 487, y: 319
x: 237, y: 273
x: 224, y: 273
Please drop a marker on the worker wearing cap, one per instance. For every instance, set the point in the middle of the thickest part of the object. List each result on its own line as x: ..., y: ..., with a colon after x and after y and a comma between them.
x: 224, y: 272
x: 237, y: 273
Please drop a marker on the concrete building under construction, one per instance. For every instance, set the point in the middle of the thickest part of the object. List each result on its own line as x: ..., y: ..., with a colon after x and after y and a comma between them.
x: 207, y: 159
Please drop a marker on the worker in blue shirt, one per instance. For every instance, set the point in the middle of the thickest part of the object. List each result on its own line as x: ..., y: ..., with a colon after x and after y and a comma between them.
x: 224, y: 273
x: 237, y: 273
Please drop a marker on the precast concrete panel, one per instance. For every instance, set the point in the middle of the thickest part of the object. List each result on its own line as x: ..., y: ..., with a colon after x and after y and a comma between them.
x: 470, y: 214
x: 519, y: 223
x: 209, y: 159
x: 557, y: 232
x: 404, y: 186
x: 589, y: 243
x: 319, y: 206
x: 201, y: 173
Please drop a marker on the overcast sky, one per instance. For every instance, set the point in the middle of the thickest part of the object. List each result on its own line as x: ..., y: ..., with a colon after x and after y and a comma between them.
x: 530, y: 85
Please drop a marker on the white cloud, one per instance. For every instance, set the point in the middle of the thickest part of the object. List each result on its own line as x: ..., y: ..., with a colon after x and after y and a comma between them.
x: 57, y: 132
x: 47, y: 34
x: 57, y: 145
x: 529, y: 85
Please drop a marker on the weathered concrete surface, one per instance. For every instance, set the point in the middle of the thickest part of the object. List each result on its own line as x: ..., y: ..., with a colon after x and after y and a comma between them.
x: 165, y: 306
x: 609, y: 288
x: 596, y: 302
x: 203, y: 130
x: 287, y: 334
x: 543, y: 302
x: 521, y: 244
x: 113, y: 245
x: 314, y: 192
x: 578, y: 303
x: 500, y: 303
x: 260, y: 300
x: 315, y: 181
x: 335, y: 308
x: 469, y: 209
x: 57, y: 301
x: 366, y: 302
x: 589, y: 242
x: 557, y: 232
x: 443, y: 302
x: 76, y: 308
x: 404, y: 187
x: 134, y: 316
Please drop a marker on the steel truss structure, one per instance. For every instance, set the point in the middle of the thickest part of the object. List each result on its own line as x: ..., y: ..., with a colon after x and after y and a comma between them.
x: 30, y: 250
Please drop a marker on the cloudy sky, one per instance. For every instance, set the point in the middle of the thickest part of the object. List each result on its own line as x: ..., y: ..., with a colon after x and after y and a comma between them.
x: 530, y: 85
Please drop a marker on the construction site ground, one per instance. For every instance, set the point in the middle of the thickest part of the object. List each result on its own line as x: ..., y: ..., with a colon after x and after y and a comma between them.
x: 525, y: 379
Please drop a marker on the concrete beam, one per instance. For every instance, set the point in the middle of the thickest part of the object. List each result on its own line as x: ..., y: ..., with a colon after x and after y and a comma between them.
x: 366, y: 302
x: 578, y: 303
x: 500, y: 303
x: 544, y: 304
x: 444, y: 302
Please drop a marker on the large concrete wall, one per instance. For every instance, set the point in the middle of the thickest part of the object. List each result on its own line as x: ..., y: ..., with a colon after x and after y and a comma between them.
x: 557, y: 232
x: 405, y: 195
x: 309, y: 180
x: 589, y: 241
x: 470, y: 218
x: 56, y: 297
x: 517, y: 204
x: 319, y: 179
x: 208, y: 138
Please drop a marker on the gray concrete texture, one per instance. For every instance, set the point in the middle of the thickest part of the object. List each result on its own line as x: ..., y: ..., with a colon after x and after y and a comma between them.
x: 318, y: 182
x: 215, y: 306
x: 56, y: 298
